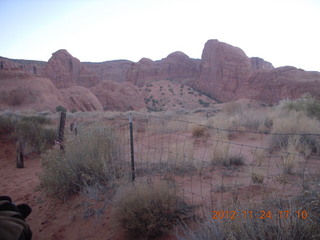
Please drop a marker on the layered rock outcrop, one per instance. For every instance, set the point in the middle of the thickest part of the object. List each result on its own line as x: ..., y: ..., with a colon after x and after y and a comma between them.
x: 66, y: 71
x: 34, y: 68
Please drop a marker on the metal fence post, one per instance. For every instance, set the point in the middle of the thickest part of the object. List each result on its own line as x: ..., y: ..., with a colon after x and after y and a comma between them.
x: 131, y: 146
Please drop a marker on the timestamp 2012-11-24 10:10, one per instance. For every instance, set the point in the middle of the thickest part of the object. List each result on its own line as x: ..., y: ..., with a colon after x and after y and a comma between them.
x: 263, y: 214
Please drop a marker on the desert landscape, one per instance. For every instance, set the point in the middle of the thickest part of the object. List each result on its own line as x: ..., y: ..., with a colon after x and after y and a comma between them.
x: 222, y: 147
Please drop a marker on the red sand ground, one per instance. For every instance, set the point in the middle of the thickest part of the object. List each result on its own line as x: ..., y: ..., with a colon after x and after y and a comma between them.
x: 51, y: 219
x: 78, y: 218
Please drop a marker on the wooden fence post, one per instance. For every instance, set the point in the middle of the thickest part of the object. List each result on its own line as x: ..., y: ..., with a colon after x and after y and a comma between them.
x: 20, y: 153
x: 63, y: 115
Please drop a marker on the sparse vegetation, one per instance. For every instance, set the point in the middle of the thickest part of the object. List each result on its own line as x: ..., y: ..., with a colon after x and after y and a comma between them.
x: 31, y: 129
x: 199, y: 131
x: 269, y: 228
x: 149, y: 210
x: 93, y: 157
x: 306, y: 103
x: 203, y: 103
x: 286, y: 124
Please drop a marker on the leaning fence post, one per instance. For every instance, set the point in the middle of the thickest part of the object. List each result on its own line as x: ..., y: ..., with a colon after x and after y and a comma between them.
x: 20, y: 153
x: 63, y: 115
x: 132, y: 149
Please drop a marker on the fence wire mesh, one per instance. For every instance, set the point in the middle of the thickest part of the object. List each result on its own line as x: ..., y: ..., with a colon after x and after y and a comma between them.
x: 215, y: 167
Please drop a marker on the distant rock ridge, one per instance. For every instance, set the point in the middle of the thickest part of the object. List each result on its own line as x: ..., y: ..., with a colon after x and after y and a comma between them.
x: 176, y: 66
x: 224, y: 72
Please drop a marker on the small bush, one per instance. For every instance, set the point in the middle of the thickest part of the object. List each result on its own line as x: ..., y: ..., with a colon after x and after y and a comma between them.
x: 60, y: 109
x: 149, y: 210
x: 257, y: 178
x: 93, y: 157
x: 233, y: 160
x: 199, y: 131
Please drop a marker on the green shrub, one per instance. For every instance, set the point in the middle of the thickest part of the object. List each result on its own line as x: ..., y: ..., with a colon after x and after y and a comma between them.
x: 149, y: 210
x: 205, y: 104
x: 60, y: 109
x: 93, y: 157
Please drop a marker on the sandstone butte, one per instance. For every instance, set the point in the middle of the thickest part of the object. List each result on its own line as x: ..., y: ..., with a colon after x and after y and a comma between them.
x: 224, y: 73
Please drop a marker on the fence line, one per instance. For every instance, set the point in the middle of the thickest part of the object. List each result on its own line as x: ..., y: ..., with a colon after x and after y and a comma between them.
x: 189, y: 162
x: 213, y: 172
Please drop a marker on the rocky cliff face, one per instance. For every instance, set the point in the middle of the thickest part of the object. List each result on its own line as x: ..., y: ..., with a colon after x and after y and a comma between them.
x: 67, y: 71
x: 259, y: 63
x: 223, y: 70
x: 176, y: 66
x: 34, y: 68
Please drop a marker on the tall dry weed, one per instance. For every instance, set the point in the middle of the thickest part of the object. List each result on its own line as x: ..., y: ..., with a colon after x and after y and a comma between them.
x: 94, y: 156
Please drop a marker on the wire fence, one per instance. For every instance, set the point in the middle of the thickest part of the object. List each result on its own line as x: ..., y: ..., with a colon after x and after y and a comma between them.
x: 215, y: 167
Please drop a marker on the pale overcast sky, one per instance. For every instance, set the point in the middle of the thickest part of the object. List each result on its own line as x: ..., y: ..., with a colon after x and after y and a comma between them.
x: 284, y: 32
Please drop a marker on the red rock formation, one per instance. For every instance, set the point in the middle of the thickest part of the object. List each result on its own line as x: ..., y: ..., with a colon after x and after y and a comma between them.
x: 223, y: 70
x: 35, y: 68
x: 271, y: 86
x: 80, y: 99
x: 259, y: 63
x: 118, y: 96
x: 177, y: 66
x: 110, y: 70
x: 67, y: 71
x: 21, y: 91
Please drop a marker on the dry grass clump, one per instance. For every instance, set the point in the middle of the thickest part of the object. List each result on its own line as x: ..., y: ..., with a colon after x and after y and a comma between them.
x: 94, y: 156
x: 32, y: 129
x: 257, y: 178
x: 232, y: 108
x: 6, y: 125
x: 199, y: 131
x: 222, y: 157
x: 147, y: 210
x: 306, y: 103
x: 285, y: 124
x: 288, y: 227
